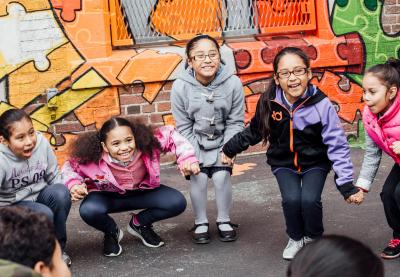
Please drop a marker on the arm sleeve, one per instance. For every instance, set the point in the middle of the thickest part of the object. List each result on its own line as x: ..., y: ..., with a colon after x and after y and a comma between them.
x: 53, y: 175
x: 171, y: 141
x: 235, y: 120
x: 370, y: 165
x: 242, y: 140
x: 71, y: 176
x: 184, y: 124
x: 334, y: 138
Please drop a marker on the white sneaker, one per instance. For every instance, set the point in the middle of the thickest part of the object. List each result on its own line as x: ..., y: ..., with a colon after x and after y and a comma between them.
x: 292, y: 248
x: 307, y: 240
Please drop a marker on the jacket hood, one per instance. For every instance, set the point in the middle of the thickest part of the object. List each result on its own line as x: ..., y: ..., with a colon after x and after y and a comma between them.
x: 11, y: 156
x: 223, y: 73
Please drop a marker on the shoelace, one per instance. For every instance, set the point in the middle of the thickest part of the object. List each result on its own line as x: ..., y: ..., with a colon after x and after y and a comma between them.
x: 394, y: 243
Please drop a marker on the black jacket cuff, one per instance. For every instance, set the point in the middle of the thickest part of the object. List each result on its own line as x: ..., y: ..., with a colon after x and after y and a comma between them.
x: 348, y: 189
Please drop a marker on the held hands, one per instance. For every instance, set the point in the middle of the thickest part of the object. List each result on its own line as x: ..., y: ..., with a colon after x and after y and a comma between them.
x: 78, y: 192
x: 226, y: 160
x: 356, y: 198
x: 396, y: 147
x: 188, y: 169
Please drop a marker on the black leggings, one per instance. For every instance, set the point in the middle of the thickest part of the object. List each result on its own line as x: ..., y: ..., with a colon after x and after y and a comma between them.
x: 158, y: 204
x: 390, y: 196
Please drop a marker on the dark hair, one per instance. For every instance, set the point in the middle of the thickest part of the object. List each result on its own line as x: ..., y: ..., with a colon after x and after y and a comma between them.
x: 388, y: 73
x: 264, y: 103
x: 87, y: 147
x: 8, y: 118
x: 335, y: 255
x: 26, y: 237
x: 193, y: 42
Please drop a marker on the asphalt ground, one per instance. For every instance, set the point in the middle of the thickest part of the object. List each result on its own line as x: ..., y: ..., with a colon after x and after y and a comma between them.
x: 262, y: 237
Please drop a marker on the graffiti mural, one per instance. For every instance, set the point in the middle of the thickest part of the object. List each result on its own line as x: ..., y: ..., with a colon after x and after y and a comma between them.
x: 68, y: 45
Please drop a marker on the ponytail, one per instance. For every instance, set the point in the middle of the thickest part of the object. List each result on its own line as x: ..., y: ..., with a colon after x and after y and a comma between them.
x: 264, y: 105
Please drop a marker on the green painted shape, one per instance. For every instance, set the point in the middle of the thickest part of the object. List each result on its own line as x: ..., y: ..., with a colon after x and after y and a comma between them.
x: 359, y: 140
x: 356, y: 16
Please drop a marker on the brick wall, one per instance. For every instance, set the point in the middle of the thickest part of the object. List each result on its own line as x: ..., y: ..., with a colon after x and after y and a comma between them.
x: 391, y: 16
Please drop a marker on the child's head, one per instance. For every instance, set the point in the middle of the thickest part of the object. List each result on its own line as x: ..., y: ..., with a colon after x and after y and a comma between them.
x: 335, y: 255
x: 28, y: 238
x: 17, y: 132
x: 292, y: 72
x: 380, y: 84
x: 118, y: 137
x: 203, y: 57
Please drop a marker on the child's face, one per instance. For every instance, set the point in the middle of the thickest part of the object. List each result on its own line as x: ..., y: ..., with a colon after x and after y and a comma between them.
x: 23, y: 138
x: 205, y: 61
x: 120, y: 143
x: 376, y: 95
x: 295, y: 84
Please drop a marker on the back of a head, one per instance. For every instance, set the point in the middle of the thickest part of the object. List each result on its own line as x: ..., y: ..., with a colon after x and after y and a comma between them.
x: 26, y: 237
x: 334, y: 255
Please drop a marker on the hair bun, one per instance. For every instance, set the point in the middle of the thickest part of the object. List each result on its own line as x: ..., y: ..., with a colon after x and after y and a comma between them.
x: 393, y: 62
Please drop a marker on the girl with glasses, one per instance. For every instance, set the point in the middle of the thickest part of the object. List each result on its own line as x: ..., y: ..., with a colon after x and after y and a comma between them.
x: 305, y: 140
x: 208, y: 107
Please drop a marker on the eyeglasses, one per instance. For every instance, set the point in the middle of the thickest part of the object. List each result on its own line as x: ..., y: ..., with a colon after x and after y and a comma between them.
x: 202, y: 57
x: 298, y: 71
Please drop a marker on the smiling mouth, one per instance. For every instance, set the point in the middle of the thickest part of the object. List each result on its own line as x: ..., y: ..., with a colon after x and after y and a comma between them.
x: 293, y: 86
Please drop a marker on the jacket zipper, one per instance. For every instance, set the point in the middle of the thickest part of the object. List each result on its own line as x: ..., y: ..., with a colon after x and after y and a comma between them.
x: 291, y: 114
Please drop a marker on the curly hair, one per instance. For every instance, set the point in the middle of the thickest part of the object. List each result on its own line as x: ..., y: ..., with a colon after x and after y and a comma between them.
x: 87, y: 147
x: 26, y: 237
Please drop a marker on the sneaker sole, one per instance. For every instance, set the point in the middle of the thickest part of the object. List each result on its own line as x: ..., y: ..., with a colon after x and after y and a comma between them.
x: 121, y: 235
x: 136, y: 234
x: 384, y: 256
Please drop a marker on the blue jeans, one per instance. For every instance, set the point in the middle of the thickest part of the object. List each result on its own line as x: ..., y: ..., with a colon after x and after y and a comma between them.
x: 301, y: 201
x: 55, y: 202
x: 158, y: 204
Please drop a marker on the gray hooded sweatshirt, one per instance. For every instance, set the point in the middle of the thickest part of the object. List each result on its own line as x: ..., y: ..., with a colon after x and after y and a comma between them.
x: 208, y: 116
x: 23, y: 179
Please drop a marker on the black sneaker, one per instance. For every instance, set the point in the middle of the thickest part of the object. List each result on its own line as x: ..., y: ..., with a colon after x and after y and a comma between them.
x: 392, y: 250
x: 111, y: 244
x: 146, y: 234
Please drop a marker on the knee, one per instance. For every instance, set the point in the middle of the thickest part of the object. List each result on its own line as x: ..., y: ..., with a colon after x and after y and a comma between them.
x: 61, y: 196
x: 386, y: 196
x: 177, y: 203
x: 311, y: 203
x: 89, y: 211
x: 291, y: 202
x: 43, y: 209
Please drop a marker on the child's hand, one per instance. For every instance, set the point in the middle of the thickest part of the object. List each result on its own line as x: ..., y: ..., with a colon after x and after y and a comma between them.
x: 396, y: 147
x: 78, y: 192
x: 226, y: 160
x: 356, y: 198
x: 189, y: 168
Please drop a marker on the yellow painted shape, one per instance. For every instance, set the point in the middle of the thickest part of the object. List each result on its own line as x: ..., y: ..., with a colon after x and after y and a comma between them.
x: 99, y: 109
x: 4, y: 107
x: 149, y: 66
x: 89, y: 80
x: 27, y: 83
x: 29, y: 5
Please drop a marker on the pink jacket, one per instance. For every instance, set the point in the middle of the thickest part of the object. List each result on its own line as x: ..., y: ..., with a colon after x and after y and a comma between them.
x: 98, y: 176
x: 385, y: 130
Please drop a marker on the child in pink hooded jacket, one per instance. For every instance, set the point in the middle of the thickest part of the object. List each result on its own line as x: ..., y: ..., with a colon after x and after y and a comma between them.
x: 118, y: 169
x: 381, y: 118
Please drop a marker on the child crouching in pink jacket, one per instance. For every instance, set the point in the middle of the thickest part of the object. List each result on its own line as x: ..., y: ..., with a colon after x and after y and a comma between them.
x: 117, y: 169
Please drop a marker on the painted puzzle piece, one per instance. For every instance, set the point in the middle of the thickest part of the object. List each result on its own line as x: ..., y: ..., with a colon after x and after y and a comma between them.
x: 33, y: 44
x: 364, y: 17
x: 68, y: 8
x: 350, y: 102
